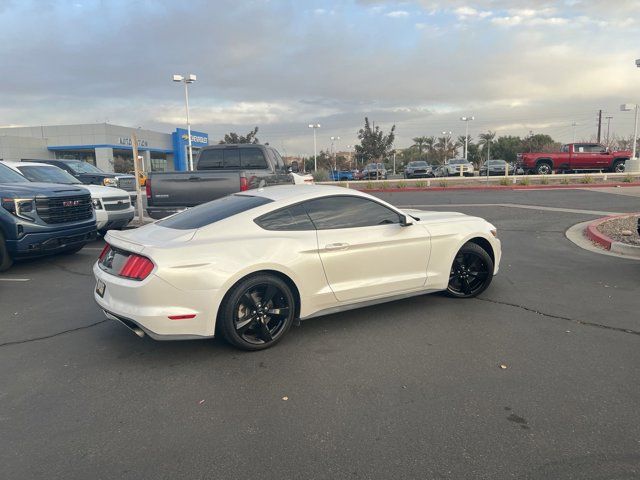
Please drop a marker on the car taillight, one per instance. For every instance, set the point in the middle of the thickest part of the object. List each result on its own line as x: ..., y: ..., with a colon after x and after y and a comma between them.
x: 136, y: 267
x: 104, y: 251
x: 147, y: 188
x: 244, y: 184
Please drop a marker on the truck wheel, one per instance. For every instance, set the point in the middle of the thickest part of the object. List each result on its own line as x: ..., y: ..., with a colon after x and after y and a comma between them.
x: 618, y: 166
x: 5, y: 260
x: 543, y: 168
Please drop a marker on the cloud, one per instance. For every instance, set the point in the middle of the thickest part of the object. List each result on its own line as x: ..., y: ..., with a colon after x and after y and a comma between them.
x: 398, y: 14
x: 470, y: 12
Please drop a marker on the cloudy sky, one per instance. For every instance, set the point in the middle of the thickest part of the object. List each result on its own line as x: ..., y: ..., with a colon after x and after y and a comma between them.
x: 515, y: 65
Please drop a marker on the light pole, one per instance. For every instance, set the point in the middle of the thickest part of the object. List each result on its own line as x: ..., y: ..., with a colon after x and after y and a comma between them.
x: 187, y: 80
x: 574, y: 125
x: 466, y: 120
x: 349, y: 147
x: 444, y: 147
x: 315, y: 126
x: 608, y: 118
x: 627, y: 107
x: 333, y: 151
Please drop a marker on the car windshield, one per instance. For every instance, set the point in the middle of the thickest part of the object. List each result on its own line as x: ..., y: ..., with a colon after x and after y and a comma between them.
x: 47, y: 174
x: 83, y: 167
x: 457, y: 161
x: 496, y: 162
x: 212, y: 212
x: 7, y: 175
x: 419, y: 164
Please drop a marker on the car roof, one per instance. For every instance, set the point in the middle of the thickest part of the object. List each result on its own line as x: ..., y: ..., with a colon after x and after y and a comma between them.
x: 300, y: 192
x: 13, y: 164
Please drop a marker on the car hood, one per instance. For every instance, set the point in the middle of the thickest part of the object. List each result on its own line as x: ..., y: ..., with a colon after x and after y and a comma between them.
x: 41, y: 189
x: 151, y: 235
x: 98, y: 191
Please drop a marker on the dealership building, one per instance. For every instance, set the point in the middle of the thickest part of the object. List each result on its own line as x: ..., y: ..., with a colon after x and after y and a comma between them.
x: 108, y: 147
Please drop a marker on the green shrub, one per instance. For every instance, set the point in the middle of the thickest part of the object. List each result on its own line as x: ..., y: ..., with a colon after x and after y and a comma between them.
x: 564, y: 181
x: 504, y: 181
x: 544, y: 180
x: 369, y: 186
x: 628, y: 178
x: 525, y: 180
x: 587, y: 179
x: 384, y: 185
x: 442, y: 183
x: 401, y: 184
x: 320, y: 176
x: 421, y: 184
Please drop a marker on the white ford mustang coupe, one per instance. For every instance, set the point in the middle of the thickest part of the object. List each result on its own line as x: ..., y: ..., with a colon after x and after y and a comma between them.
x: 250, y: 264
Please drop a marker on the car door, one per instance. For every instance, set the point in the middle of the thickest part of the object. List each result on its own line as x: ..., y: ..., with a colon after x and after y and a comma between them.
x: 581, y: 157
x: 365, y: 250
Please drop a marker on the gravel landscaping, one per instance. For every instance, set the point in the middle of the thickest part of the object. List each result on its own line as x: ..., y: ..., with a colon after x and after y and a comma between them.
x: 621, y: 229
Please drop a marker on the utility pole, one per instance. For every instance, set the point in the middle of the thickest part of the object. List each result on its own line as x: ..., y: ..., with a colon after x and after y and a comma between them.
x: 599, y: 123
x: 574, y: 125
x: 608, y: 118
x: 136, y: 171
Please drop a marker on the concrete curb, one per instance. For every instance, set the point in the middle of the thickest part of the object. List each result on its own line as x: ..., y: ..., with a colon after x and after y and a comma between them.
x: 593, y: 234
x: 496, y: 187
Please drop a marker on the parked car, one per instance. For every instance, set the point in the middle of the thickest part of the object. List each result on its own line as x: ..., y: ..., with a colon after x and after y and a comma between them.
x: 41, y: 218
x: 92, y: 175
x: 496, y: 167
x: 112, y: 205
x: 340, y: 175
x: 357, y: 174
x: 253, y: 262
x: 374, y: 171
x: 220, y: 170
x: 454, y: 166
x: 572, y: 157
x: 418, y: 169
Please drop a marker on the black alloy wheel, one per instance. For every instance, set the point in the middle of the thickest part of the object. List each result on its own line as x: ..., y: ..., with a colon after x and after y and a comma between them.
x: 471, y: 272
x: 618, y: 166
x: 257, y: 312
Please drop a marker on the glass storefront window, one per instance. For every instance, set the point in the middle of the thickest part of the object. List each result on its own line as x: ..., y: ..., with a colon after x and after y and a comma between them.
x: 84, y: 155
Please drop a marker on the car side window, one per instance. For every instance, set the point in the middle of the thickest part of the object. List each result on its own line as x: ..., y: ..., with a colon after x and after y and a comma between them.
x: 579, y: 148
x: 252, y: 158
x: 211, y: 159
x: 348, y: 212
x: 286, y: 219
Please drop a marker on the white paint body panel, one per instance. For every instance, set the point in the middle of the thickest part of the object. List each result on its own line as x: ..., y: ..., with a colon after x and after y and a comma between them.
x: 194, y: 269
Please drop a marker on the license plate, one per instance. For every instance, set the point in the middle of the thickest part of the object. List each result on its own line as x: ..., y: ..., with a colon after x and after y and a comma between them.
x: 100, y: 288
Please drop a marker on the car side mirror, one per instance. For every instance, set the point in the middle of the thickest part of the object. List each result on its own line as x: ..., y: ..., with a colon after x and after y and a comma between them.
x: 405, y: 221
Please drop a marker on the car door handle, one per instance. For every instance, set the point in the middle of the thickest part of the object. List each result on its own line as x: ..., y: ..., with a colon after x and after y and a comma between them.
x: 336, y: 246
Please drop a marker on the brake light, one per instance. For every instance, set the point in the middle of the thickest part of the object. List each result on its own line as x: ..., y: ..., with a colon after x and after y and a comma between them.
x: 147, y: 188
x: 244, y: 184
x: 136, y: 267
x: 104, y: 251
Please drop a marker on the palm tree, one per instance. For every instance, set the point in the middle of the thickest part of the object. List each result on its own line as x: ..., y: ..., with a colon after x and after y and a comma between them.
x: 419, y: 142
x: 486, y: 139
x: 461, y: 143
x: 430, y: 143
x: 445, y: 148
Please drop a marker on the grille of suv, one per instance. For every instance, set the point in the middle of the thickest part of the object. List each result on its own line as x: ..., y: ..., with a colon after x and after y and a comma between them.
x: 116, y: 203
x: 126, y: 183
x: 64, y: 209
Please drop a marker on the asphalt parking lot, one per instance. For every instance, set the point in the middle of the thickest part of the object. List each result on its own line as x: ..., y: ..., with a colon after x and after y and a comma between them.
x: 409, y: 389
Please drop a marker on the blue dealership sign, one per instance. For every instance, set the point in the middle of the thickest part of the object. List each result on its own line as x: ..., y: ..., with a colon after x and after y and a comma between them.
x: 181, y: 146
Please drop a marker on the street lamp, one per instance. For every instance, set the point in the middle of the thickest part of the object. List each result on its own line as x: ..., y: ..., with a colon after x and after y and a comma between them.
x: 333, y: 151
x: 448, y: 134
x: 315, y: 126
x: 627, y: 107
x: 187, y: 80
x: 466, y: 120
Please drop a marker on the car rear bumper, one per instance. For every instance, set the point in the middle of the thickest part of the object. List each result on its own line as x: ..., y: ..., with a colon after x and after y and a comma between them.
x: 46, y: 243
x: 149, y: 303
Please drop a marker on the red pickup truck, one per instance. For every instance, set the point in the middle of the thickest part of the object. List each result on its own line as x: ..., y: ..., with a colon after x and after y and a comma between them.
x: 574, y: 156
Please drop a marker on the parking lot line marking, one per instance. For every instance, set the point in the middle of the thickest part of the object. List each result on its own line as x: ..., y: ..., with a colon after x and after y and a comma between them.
x: 14, y: 279
x: 518, y: 205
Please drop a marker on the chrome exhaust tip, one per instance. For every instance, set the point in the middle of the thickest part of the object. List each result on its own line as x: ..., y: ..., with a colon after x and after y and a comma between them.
x: 138, y: 331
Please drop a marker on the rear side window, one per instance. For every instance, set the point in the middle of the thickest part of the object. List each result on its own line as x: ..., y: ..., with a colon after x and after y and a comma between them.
x: 252, y: 158
x: 212, y: 212
x: 287, y: 219
x: 211, y: 159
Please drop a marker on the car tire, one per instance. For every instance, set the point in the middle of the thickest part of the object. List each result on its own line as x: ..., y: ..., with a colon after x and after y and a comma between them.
x: 245, y: 320
x: 618, y: 166
x: 543, y: 168
x: 5, y: 259
x: 471, y: 272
